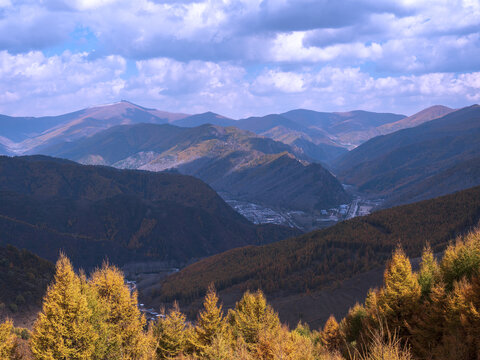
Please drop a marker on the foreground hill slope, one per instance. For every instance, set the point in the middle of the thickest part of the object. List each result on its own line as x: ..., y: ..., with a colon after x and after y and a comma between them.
x: 313, y: 262
x: 94, y: 212
x: 234, y: 161
x: 405, y: 163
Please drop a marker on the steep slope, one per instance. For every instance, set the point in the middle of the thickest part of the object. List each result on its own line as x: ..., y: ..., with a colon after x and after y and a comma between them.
x: 296, y: 271
x: 231, y: 160
x: 463, y: 175
x: 398, y: 163
x: 317, y: 147
x: 24, y: 134
x: 428, y: 114
x: 282, y: 181
x: 95, y: 212
x: 24, y: 278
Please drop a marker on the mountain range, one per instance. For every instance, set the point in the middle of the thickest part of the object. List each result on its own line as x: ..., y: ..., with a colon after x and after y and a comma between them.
x: 22, y: 135
x: 432, y: 159
x: 240, y: 163
x: 322, y: 136
x: 95, y: 212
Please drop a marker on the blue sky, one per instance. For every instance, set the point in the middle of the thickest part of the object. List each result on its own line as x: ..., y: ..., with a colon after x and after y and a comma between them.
x: 239, y: 58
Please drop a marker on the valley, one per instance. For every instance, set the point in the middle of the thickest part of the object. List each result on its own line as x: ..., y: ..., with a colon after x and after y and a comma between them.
x: 305, y: 221
x: 239, y: 180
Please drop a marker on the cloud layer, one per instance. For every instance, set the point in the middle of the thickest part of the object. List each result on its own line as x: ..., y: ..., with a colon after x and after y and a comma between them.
x: 239, y: 57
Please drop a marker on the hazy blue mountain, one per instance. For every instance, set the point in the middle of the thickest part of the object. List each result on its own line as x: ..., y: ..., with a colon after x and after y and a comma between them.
x: 205, y: 118
x: 20, y: 135
x: 403, y: 163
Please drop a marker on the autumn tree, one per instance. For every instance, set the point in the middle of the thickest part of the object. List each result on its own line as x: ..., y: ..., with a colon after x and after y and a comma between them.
x: 7, y: 340
x: 63, y: 329
x: 461, y: 260
x: 170, y: 333
x: 429, y: 273
x: 330, y: 335
x: 122, y: 319
x: 399, y: 298
x: 210, y: 323
x: 251, y: 315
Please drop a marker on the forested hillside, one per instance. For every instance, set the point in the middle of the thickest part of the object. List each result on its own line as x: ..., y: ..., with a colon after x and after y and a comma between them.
x: 24, y: 278
x: 94, y: 212
x: 429, y: 160
x: 429, y: 314
x: 317, y: 259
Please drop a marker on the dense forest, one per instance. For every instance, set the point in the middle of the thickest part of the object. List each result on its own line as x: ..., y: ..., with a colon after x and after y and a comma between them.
x: 432, y: 314
x: 96, y: 212
x: 319, y: 258
x: 24, y: 278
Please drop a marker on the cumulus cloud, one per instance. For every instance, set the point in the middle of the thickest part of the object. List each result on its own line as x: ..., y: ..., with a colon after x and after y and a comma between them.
x: 33, y: 83
x: 238, y: 57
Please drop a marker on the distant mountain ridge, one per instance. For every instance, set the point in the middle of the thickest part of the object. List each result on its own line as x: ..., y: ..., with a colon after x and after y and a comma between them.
x: 94, y: 212
x: 21, y: 135
x: 247, y: 166
x: 322, y: 136
x: 428, y: 114
x: 435, y: 158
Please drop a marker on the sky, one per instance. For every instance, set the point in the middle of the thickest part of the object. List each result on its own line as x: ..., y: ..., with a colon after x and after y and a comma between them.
x: 239, y: 58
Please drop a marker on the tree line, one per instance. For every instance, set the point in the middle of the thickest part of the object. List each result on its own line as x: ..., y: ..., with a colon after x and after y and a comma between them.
x: 431, y: 314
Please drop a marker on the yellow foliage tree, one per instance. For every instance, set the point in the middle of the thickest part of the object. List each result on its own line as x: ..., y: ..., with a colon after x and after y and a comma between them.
x: 281, y: 344
x: 63, y: 329
x: 399, y: 298
x: 210, y: 323
x: 330, y: 336
x: 126, y: 338
x: 7, y: 340
x: 252, y: 314
x: 170, y: 334
x: 429, y: 274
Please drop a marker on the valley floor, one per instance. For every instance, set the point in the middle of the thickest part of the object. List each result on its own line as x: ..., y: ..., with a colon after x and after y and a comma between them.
x: 305, y: 221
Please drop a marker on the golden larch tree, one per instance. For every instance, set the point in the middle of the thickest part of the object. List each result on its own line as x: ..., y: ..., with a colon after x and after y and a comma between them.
x: 63, y: 329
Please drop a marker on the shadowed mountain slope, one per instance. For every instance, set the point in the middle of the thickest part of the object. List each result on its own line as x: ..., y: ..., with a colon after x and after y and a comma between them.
x: 94, y: 212
x: 24, y: 278
x: 205, y: 118
x: 406, y: 163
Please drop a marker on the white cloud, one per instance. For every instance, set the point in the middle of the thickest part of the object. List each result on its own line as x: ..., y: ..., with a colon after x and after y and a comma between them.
x: 273, y: 81
x: 32, y: 83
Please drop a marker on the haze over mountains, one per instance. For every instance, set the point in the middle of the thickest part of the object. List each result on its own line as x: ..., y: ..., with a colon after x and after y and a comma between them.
x: 429, y: 160
x: 20, y: 135
x: 306, y: 129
